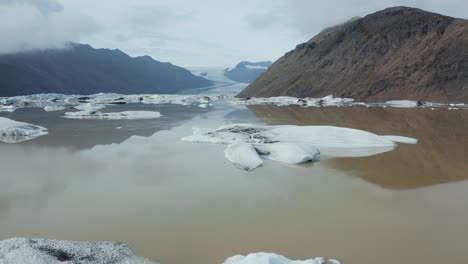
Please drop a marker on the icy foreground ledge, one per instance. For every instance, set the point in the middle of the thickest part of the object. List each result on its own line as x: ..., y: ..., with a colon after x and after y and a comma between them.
x: 248, y: 143
x: 41, y: 251
x: 113, y: 116
x: 270, y: 258
x: 13, y: 131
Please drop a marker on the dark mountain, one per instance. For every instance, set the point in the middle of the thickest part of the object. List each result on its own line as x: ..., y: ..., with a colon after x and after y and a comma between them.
x: 247, y: 72
x: 397, y: 53
x: 81, y: 69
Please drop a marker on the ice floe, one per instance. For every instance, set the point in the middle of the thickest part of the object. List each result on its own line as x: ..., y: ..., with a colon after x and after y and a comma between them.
x: 14, y: 132
x: 50, y: 108
x: 41, y: 251
x: 270, y: 258
x: 293, y: 144
x: 133, y: 115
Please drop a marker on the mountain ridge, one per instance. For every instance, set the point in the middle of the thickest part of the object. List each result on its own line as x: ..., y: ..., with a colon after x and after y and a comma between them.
x: 81, y: 69
x: 396, y: 53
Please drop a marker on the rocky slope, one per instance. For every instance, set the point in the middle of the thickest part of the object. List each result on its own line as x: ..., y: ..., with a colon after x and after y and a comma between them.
x: 397, y: 53
x: 247, y: 72
x: 84, y: 70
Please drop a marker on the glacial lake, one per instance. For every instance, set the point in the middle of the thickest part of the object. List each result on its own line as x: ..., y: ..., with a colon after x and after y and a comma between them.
x: 179, y: 202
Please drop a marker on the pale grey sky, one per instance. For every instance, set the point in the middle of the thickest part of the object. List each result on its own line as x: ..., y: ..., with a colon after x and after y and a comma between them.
x: 187, y: 32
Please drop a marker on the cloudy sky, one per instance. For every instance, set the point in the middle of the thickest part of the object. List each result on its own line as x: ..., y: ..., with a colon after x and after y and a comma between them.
x: 187, y: 32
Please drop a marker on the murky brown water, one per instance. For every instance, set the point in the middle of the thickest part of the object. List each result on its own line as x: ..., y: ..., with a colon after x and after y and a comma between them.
x: 179, y: 202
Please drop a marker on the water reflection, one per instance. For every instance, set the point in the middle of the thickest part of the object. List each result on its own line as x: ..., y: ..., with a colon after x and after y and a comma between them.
x: 439, y: 157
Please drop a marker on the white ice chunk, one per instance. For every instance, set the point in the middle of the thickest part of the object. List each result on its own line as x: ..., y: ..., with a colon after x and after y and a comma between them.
x: 50, y: 108
x: 13, y: 131
x: 203, y: 105
x: 7, y: 108
x: 289, y: 153
x: 243, y: 155
x: 270, y: 258
x: 89, y: 107
x: 41, y: 251
x: 113, y: 116
x: 402, y: 103
x: 295, y: 144
x: 399, y: 139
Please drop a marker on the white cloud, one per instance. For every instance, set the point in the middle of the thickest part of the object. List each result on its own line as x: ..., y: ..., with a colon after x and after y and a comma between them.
x: 39, y: 24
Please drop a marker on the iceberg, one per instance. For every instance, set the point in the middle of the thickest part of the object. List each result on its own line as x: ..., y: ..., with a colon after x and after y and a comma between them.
x: 131, y: 115
x: 293, y: 144
x: 270, y: 258
x: 42, y: 251
x: 14, y: 132
x: 243, y: 155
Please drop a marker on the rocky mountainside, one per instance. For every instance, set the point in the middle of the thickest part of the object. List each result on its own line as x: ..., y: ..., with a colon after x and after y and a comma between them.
x: 81, y: 69
x: 397, y: 53
x: 247, y: 72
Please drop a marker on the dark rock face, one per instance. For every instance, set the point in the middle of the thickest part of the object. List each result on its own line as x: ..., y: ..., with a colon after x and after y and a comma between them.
x: 84, y: 70
x: 397, y: 53
x: 247, y: 72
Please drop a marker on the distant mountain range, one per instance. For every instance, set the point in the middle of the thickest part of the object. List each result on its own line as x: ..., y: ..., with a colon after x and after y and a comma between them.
x: 81, y: 69
x: 247, y: 72
x: 397, y: 53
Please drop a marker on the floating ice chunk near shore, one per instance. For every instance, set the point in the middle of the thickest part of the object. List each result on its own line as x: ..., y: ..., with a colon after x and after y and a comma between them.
x: 89, y: 107
x: 54, y: 108
x: 13, y: 131
x: 130, y: 115
x: 7, y: 108
x: 270, y: 258
x: 41, y: 251
x: 294, y: 144
x: 244, y: 156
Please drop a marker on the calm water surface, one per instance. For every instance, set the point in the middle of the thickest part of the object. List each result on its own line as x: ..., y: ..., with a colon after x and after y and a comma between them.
x: 180, y: 202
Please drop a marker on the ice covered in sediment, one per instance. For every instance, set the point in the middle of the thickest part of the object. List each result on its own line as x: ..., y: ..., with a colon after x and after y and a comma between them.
x: 13, y: 131
x: 54, y: 108
x: 243, y: 155
x: 42, y: 251
x: 296, y: 144
x: 271, y: 258
x: 133, y: 115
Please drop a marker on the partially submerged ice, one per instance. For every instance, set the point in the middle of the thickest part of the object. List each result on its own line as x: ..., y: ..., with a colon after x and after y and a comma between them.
x: 42, y: 251
x: 13, y: 131
x: 248, y: 143
x: 132, y: 115
x: 270, y: 258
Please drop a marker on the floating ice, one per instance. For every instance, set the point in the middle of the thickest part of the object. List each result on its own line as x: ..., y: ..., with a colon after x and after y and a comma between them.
x: 13, y: 131
x: 113, y: 116
x: 54, y: 108
x: 270, y: 258
x: 294, y: 144
x: 287, y: 100
x: 89, y: 107
x: 243, y: 155
x: 41, y: 251
x: 7, y: 108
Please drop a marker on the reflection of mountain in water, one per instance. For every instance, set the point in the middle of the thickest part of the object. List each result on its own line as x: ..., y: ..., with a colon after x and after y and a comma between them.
x: 439, y: 157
